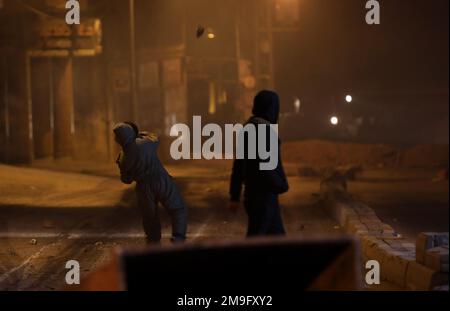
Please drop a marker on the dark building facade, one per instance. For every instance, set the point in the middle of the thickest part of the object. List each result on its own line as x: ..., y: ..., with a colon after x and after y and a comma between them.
x: 62, y: 87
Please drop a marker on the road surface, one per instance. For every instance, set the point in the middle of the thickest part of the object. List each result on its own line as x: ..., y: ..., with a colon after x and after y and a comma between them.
x: 48, y: 218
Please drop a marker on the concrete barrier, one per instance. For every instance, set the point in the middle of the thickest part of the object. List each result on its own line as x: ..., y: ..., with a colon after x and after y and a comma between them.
x: 401, y: 264
x: 261, y: 264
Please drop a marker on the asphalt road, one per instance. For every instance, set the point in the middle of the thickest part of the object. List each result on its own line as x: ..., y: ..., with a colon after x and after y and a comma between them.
x: 49, y: 218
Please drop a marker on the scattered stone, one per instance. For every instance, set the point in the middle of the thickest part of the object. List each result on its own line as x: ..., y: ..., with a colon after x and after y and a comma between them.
x: 200, y: 31
x: 33, y: 241
x: 98, y: 244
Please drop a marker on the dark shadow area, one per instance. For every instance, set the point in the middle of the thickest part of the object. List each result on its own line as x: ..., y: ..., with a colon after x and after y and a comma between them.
x: 411, y: 219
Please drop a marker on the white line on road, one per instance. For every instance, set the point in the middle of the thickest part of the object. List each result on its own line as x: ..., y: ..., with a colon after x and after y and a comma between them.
x: 202, y: 228
x: 7, y: 274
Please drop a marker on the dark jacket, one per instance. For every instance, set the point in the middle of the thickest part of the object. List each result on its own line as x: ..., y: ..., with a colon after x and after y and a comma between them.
x: 246, y: 171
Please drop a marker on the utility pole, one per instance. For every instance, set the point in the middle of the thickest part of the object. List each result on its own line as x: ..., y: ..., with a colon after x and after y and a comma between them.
x: 133, y: 79
x: 271, y: 56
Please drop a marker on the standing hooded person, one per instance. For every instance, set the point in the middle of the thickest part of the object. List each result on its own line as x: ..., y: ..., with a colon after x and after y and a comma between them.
x: 139, y: 162
x: 262, y: 187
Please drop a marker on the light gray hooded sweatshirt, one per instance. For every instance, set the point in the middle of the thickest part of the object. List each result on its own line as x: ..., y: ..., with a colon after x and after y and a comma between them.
x: 139, y: 162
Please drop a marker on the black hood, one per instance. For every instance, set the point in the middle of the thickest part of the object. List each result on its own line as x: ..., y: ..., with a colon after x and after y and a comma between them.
x: 266, y: 105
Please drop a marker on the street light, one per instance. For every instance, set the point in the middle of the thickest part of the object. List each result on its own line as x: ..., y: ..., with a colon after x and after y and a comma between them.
x: 334, y: 120
x: 297, y: 105
x: 348, y: 99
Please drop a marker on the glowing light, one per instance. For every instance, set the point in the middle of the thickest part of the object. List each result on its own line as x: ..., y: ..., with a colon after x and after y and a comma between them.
x: 297, y: 105
x: 348, y: 98
x: 334, y: 120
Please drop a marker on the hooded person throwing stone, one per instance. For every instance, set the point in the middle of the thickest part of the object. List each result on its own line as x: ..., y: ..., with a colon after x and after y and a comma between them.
x: 139, y: 162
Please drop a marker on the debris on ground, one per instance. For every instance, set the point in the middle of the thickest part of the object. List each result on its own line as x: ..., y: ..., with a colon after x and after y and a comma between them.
x: 47, y: 224
x: 200, y: 31
x: 33, y: 241
x: 335, y: 180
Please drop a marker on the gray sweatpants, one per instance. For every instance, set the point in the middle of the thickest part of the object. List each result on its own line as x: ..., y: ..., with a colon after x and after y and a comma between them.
x: 164, y: 191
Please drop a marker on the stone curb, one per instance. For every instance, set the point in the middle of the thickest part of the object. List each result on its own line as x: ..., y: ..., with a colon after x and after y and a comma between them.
x: 380, y: 242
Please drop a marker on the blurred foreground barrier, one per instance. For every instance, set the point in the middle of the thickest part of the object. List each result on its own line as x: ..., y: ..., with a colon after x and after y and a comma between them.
x: 250, y: 266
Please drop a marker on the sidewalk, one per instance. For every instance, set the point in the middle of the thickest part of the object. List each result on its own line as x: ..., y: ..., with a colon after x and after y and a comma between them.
x: 23, y: 186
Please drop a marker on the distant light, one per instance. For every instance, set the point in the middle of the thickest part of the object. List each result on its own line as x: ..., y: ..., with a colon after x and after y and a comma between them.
x: 211, y: 36
x: 334, y: 120
x: 348, y: 99
x: 297, y: 105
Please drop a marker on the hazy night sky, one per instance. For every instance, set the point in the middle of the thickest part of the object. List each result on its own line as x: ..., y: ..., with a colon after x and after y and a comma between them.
x: 335, y: 50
